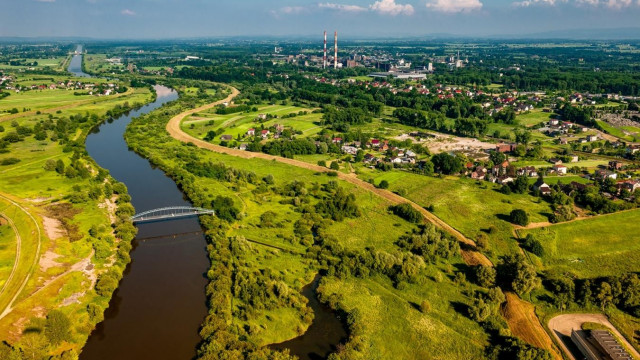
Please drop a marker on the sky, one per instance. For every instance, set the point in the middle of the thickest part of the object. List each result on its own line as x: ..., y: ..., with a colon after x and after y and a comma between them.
x: 160, y: 19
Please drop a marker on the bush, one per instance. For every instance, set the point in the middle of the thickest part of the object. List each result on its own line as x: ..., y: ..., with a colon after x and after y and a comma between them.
x: 384, y: 184
x: 519, y: 217
x: 533, y: 245
x: 106, y: 285
x: 58, y: 327
x: 9, y: 161
x: 335, y: 165
x: 425, y: 307
x: 322, y: 163
x: 407, y: 212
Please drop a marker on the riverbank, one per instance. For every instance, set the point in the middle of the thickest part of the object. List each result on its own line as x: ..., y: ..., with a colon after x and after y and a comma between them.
x: 63, y: 207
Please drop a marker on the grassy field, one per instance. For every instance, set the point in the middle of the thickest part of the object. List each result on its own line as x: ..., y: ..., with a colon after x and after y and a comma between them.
x: 533, y: 117
x: 40, y: 100
x: 237, y: 124
x: 470, y: 207
x: 391, y: 315
x: 612, y: 130
x: 54, y: 63
x: 592, y: 247
x: 7, y: 250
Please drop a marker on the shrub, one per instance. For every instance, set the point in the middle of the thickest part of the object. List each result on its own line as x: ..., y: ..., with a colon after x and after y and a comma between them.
x: 519, y: 217
x: 406, y: 212
x: 384, y: 184
x: 58, y: 327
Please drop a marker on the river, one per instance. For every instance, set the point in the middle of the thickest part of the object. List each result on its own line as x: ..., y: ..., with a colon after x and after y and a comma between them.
x: 158, y: 308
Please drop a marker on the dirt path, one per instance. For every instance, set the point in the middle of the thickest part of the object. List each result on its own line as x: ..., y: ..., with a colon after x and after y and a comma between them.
x: 18, y: 246
x: 63, y: 107
x: 525, y: 322
x: 563, y: 324
x: 32, y: 267
x: 580, y: 218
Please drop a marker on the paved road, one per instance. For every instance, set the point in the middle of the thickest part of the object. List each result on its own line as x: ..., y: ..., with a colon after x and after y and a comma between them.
x: 563, y: 324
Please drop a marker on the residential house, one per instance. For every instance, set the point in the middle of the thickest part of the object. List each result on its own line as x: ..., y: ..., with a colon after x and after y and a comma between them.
x: 226, y: 137
x: 615, y: 165
x: 265, y: 133
x: 592, y: 138
x: 505, y: 148
x: 251, y: 132
x: 529, y: 171
x: 541, y: 186
x: 560, y: 169
x: 603, y: 174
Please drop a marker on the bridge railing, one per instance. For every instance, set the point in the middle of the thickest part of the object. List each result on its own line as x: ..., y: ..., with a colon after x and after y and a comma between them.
x: 170, y: 212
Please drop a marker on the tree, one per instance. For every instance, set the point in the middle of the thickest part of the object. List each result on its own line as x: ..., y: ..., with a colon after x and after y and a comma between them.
x: 523, y: 137
x: 519, y: 217
x: 479, y: 310
x: 407, y: 212
x: 485, y: 275
x: 521, y: 185
x: 446, y: 164
x: 497, y: 157
x: 58, y: 327
x: 605, y: 296
x: 334, y: 165
x: 516, y: 272
x: 60, y: 166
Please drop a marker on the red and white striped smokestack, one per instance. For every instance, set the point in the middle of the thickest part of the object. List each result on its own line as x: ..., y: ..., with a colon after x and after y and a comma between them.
x: 324, y: 60
x: 335, y: 56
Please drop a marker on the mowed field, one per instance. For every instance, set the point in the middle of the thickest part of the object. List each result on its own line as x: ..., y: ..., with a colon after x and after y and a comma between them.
x: 469, y: 207
x: 36, y: 100
x: 600, y: 246
x: 237, y: 124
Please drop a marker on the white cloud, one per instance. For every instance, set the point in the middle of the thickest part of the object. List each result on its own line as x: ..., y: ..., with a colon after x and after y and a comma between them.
x: 342, y: 7
x: 293, y: 9
x: 128, y: 12
x: 611, y: 4
x: 617, y: 4
x: 389, y: 7
x: 527, y: 3
x: 455, y: 6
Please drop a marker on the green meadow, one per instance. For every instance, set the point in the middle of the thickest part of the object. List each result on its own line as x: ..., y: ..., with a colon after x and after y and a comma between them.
x: 599, y: 246
x: 469, y: 206
x: 237, y: 124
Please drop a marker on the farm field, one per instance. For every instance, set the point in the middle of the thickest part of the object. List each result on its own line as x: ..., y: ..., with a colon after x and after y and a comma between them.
x: 591, y: 247
x: 36, y: 100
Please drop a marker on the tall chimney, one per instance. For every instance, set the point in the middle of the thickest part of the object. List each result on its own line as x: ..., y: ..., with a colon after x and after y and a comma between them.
x: 335, y: 57
x: 324, y: 60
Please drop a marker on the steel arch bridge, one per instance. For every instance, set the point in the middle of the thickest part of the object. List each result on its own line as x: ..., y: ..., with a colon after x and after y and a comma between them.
x: 171, y: 212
